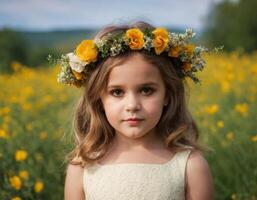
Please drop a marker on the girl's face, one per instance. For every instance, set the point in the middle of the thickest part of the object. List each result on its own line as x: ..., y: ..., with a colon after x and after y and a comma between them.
x: 135, y: 89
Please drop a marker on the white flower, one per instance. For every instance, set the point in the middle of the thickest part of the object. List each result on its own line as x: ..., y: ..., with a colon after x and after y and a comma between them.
x: 75, y: 63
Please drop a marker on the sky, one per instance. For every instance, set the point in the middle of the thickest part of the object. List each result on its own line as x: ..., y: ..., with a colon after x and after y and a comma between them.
x: 46, y: 15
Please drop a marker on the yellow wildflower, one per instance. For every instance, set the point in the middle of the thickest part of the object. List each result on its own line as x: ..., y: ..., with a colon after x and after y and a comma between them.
x: 27, y: 91
x: 175, y: 51
x: 15, y: 182
x: 79, y: 76
x: 47, y: 99
x: 189, y: 49
x: 135, y: 38
x: 24, y: 174
x: 242, y: 109
x: 5, y: 111
x: 3, y: 134
x: 254, y: 138
x: 43, y: 135
x: 186, y: 66
x: 38, y: 187
x: 230, y: 135
x: 16, y: 66
x: 161, y: 39
x: 16, y: 198
x: 212, y: 109
x: 26, y: 106
x: 87, y: 51
x: 220, y: 124
x: 29, y: 126
x: 225, y: 86
x: 21, y: 155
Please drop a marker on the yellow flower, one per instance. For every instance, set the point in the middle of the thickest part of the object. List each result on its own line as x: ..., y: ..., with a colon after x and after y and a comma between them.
x: 87, y: 51
x: 79, y: 76
x: 3, y: 134
x: 21, y: 155
x: 16, y: 66
x: 189, y: 49
x: 135, y: 38
x: 15, y: 182
x: 16, y: 198
x: 242, y: 109
x: 230, y: 136
x: 254, y: 138
x: 24, y: 174
x: 225, y: 86
x: 175, y: 51
x: 38, y: 187
x: 186, y: 66
x: 29, y: 126
x: 43, y: 135
x: 220, y: 124
x: 5, y: 111
x: 161, y: 39
x: 26, y: 106
x: 212, y: 109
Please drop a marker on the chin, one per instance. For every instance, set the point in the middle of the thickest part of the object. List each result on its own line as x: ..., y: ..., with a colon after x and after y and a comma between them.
x: 134, y: 135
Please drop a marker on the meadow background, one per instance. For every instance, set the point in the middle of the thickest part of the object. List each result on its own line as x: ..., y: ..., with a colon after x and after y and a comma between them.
x: 36, y: 111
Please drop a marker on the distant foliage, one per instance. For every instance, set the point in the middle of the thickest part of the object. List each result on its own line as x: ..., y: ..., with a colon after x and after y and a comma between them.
x: 12, y: 48
x: 233, y: 24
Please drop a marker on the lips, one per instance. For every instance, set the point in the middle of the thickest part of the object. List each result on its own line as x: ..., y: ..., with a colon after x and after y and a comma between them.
x: 133, y: 119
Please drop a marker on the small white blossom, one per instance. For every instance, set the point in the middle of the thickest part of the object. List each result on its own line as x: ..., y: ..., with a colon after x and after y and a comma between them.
x: 148, y: 43
x: 75, y: 63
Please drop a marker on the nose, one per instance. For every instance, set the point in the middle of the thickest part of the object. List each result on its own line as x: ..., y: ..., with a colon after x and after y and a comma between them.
x: 132, y: 102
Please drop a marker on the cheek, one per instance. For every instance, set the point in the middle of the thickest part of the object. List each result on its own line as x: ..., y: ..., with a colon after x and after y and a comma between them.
x: 153, y: 106
x: 111, y: 109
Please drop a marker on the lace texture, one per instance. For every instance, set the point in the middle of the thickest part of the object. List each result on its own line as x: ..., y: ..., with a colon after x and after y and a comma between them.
x: 137, y: 181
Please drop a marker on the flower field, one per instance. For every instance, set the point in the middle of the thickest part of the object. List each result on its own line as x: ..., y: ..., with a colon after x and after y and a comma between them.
x: 35, y: 128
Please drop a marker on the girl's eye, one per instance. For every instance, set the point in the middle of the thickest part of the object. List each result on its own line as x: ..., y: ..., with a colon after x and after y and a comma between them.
x: 115, y: 92
x: 146, y: 91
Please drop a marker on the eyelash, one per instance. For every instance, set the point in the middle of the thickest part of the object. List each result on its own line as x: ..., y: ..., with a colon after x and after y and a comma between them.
x: 148, y: 88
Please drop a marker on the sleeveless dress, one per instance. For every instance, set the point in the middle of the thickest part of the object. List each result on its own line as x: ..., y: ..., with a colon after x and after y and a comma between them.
x: 137, y: 181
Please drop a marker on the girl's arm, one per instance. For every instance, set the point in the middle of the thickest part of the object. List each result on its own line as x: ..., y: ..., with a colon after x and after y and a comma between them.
x: 73, y: 188
x: 199, y: 183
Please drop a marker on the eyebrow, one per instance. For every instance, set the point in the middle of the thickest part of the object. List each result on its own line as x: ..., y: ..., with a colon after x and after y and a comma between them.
x: 143, y: 84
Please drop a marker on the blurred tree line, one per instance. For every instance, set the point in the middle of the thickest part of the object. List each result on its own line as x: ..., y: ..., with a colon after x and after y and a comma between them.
x: 233, y: 23
x: 15, y: 48
x: 12, y: 47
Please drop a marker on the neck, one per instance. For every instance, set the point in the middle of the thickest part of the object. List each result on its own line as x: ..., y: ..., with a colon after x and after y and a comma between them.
x: 147, y: 142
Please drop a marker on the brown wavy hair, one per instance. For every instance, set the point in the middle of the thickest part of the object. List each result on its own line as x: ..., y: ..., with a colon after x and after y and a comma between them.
x: 94, y: 134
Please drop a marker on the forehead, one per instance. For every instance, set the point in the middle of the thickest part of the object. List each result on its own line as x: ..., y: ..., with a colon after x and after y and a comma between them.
x: 134, y: 70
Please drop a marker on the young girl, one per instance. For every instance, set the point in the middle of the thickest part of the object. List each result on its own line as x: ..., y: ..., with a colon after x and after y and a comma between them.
x: 135, y: 138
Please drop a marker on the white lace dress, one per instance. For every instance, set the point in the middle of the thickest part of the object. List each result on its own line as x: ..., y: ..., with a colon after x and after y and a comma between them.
x: 137, y: 181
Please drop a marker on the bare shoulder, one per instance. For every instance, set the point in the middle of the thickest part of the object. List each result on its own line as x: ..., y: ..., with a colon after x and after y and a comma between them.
x: 199, y: 182
x: 73, y: 188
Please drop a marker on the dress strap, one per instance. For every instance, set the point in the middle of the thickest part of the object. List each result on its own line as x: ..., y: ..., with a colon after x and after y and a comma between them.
x: 182, y: 159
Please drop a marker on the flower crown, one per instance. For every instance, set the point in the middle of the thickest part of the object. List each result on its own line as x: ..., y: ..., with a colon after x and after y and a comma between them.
x: 186, y: 57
